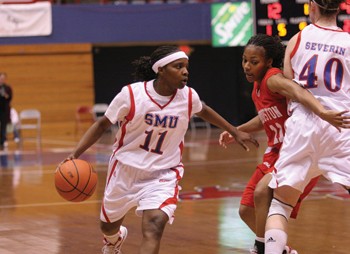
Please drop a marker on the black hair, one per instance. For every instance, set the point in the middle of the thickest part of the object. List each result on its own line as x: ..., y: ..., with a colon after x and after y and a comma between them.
x: 328, y: 7
x: 273, y: 46
x: 143, y: 65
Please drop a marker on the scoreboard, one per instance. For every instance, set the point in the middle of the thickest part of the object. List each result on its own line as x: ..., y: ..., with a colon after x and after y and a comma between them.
x: 287, y: 17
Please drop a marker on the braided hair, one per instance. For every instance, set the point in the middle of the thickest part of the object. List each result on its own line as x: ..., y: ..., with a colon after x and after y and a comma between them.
x: 273, y: 46
x: 143, y: 65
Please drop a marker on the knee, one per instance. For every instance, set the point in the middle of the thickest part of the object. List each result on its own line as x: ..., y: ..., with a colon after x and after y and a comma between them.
x: 262, y: 194
x: 279, y: 208
x: 153, y: 228
x: 154, y: 233
x: 243, y: 212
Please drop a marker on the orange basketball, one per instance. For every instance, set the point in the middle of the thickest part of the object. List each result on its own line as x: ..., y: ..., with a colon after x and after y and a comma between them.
x: 75, y: 180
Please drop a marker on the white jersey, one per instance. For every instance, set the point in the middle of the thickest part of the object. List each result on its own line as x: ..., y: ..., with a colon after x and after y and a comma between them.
x: 311, y: 146
x: 151, y: 135
x: 326, y: 51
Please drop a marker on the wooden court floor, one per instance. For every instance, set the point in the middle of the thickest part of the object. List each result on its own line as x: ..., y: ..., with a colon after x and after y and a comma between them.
x: 35, y: 219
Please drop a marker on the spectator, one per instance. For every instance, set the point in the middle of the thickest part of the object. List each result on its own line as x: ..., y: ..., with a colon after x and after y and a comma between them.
x: 5, y: 100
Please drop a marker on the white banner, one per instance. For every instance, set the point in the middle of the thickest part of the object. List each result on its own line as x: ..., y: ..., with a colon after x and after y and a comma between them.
x: 25, y: 19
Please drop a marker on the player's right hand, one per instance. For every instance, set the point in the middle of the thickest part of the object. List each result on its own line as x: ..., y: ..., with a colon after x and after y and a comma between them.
x: 70, y: 157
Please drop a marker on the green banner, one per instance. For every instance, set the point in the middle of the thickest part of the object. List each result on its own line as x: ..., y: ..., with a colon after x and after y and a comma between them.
x: 231, y: 24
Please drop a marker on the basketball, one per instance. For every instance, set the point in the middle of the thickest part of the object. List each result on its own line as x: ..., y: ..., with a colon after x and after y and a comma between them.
x: 75, y: 180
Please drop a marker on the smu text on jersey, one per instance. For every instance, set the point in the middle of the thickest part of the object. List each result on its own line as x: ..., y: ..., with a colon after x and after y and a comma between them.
x: 166, y: 121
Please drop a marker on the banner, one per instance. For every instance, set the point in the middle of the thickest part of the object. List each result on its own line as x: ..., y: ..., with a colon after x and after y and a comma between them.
x: 231, y: 24
x: 25, y: 19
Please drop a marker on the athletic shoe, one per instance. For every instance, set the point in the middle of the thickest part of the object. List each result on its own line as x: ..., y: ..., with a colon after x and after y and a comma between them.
x: 289, y: 250
x: 253, y: 251
x: 109, y: 248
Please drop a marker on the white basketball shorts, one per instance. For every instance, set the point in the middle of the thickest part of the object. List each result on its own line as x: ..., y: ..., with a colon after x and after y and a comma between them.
x: 128, y: 187
x: 312, y: 147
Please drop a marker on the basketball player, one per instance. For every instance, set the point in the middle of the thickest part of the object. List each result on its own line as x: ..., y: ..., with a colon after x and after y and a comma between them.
x: 145, y: 167
x: 318, y: 57
x: 262, y: 60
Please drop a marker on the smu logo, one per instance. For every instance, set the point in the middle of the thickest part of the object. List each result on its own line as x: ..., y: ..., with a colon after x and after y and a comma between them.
x: 159, y: 121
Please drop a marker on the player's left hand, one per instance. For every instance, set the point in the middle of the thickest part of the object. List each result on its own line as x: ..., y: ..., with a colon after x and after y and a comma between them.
x: 338, y: 119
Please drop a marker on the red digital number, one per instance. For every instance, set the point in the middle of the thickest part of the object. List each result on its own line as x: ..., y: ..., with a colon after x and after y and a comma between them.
x: 346, y: 25
x: 274, y: 10
x: 345, y: 7
x: 269, y: 30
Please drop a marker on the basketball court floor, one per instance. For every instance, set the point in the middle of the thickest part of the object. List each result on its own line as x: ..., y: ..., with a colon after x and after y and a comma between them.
x: 35, y: 219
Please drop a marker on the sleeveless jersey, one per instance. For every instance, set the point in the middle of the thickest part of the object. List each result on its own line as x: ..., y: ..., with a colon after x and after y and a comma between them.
x: 321, y: 63
x: 151, y: 136
x: 272, y: 109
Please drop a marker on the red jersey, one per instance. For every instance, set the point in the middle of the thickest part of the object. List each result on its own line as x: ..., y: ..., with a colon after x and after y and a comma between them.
x: 272, y: 109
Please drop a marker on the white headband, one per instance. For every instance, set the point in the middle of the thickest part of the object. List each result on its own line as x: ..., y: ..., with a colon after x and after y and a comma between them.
x: 168, y: 59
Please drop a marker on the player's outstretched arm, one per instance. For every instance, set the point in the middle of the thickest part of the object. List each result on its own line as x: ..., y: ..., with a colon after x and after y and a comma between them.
x: 253, y: 125
x: 290, y: 89
x: 211, y: 116
x: 91, y: 136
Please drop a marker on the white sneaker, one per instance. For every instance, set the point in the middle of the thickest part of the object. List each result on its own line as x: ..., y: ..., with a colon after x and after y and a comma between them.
x: 109, y: 248
x: 289, y: 250
x: 253, y: 250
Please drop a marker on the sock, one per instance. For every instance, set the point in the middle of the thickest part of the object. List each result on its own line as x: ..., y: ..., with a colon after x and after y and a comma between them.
x: 275, y: 241
x: 260, y: 239
x: 260, y: 245
x: 112, y: 239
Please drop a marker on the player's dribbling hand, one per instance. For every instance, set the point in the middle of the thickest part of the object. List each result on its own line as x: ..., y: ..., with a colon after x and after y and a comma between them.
x: 70, y: 157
